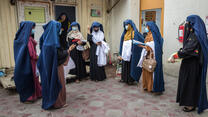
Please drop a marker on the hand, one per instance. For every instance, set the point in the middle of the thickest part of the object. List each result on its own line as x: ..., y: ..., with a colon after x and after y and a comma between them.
x: 171, y: 59
x: 71, y: 48
x: 99, y: 43
x: 142, y: 46
x: 119, y: 58
x: 62, y: 29
x: 79, y: 43
x: 88, y: 29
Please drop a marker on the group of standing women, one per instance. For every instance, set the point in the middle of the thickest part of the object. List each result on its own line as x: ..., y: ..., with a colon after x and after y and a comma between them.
x: 134, y: 49
x: 60, y: 43
x: 57, y: 49
x: 132, y: 56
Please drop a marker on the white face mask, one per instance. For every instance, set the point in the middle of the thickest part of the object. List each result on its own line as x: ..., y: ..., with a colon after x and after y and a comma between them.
x: 126, y: 27
x: 74, y: 28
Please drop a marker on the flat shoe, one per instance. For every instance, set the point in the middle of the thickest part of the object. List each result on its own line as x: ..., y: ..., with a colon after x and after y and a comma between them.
x: 185, y: 109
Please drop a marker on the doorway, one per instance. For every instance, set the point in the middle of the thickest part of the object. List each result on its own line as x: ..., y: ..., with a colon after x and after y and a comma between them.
x: 151, y: 15
x: 70, y: 11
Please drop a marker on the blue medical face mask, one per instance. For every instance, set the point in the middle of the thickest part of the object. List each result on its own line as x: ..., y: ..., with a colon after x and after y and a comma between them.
x: 146, y: 30
x: 74, y: 28
x: 126, y: 27
x: 33, y: 31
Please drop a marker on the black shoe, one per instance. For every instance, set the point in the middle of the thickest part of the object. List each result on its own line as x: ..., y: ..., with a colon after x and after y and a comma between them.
x: 186, y: 109
x: 130, y: 83
x: 121, y: 81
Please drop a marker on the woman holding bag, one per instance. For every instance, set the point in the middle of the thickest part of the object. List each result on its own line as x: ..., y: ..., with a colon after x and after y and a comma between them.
x: 151, y: 60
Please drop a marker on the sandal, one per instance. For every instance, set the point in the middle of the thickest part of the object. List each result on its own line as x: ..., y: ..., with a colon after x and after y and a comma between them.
x: 65, y: 106
x: 186, y: 109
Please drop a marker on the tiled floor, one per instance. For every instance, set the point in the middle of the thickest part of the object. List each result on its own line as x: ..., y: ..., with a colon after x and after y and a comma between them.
x: 103, y: 99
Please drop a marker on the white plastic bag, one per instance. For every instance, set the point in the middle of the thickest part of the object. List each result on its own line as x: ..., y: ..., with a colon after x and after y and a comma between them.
x: 69, y: 66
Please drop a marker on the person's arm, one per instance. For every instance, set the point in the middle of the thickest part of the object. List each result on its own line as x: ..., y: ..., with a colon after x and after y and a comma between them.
x: 190, y: 48
x: 62, y: 54
x: 89, y: 38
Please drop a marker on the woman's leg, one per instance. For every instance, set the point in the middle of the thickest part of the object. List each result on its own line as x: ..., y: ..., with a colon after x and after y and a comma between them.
x: 61, y: 100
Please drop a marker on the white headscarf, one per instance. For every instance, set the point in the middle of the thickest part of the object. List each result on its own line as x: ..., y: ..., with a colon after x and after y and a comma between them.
x: 101, y: 50
x: 97, y: 36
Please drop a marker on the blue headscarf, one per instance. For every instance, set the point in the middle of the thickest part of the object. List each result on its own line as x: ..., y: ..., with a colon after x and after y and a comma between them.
x: 96, y: 24
x: 48, y: 64
x: 74, y: 24
x: 136, y: 51
x: 158, y: 84
x: 23, y: 75
x: 200, y: 31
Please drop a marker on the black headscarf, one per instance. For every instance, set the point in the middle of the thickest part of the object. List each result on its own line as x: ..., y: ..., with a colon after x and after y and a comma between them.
x: 187, y: 31
x: 65, y: 26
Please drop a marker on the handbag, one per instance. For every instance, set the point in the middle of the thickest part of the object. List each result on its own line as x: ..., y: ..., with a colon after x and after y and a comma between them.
x: 86, y: 54
x: 149, y: 64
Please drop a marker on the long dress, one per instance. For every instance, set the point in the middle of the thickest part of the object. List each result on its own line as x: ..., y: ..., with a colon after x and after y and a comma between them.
x: 147, y: 77
x: 126, y: 65
x: 190, y: 72
x: 76, y: 55
x: 125, y: 75
x: 33, y: 59
x: 96, y: 73
x: 63, y: 59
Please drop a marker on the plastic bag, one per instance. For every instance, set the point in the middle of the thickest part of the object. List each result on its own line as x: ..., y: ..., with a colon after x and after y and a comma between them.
x: 69, y: 66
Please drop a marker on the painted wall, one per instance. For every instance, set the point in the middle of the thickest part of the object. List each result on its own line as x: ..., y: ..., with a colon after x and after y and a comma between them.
x: 8, y: 28
x: 175, y: 13
x: 125, y: 9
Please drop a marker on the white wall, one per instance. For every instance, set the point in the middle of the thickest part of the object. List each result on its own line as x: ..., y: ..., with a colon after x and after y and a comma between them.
x: 125, y: 9
x: 175, y: 13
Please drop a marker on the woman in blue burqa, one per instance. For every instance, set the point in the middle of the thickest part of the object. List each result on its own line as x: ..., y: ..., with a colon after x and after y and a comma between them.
x: 25, y: 74
x: 51, y: 64
x: 95, y: 37
x: 129, y: 53
x: 193, y: 71
x: 153, y: 48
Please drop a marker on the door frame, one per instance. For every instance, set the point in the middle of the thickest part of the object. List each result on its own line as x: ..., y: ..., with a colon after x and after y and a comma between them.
x: 20, y: 9
x: 155, y: 4
x: 61, y: 4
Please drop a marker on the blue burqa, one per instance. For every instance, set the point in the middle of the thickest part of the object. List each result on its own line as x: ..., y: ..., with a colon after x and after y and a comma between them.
x: 200, y: 31
x: 23, y: 75
x: 136, y: 51
x: 158, y: 83
x: 48, y: 64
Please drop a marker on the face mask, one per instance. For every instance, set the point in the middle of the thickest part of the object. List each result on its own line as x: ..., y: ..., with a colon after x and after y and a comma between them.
x: 33, y: 31
x: 146, y: 30
x: 74, y: 28
x: 96, y: 30
x: 126, y: 27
